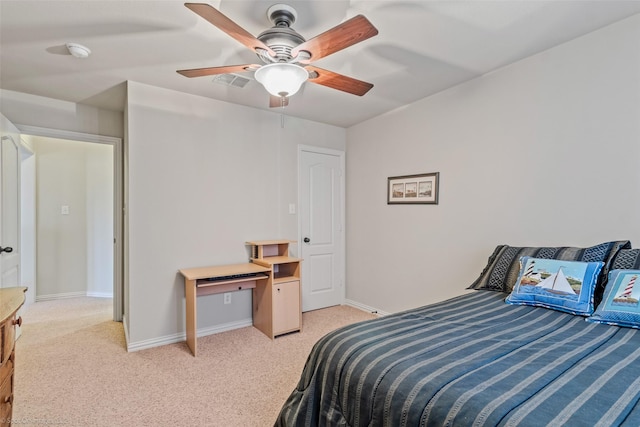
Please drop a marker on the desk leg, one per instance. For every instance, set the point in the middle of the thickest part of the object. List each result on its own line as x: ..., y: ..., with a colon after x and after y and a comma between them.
x: 190, y: 295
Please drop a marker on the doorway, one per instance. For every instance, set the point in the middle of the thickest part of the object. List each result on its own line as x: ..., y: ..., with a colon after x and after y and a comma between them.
x: 74, y: 224
x: 79, y: 214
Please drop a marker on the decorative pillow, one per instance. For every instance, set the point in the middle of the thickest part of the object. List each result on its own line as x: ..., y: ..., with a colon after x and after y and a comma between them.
x: 557, y: 284
x: 503, y: 267
x: 620, y: 304
x: 626, y: 259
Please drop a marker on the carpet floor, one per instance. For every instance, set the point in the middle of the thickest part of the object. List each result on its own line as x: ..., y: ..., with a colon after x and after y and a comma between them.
x: 72, y: 369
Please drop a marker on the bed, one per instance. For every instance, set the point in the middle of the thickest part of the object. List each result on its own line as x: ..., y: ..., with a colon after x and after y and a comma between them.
x: 476, y: 360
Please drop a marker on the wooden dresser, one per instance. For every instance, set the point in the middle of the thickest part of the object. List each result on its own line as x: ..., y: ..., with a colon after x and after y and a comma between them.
x: 11, y: 299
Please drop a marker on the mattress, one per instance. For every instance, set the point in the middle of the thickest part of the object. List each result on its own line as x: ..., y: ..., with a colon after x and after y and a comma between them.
x: 470, y: 361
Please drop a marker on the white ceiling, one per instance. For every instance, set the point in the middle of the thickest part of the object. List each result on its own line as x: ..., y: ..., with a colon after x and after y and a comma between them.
x: 422, y: 47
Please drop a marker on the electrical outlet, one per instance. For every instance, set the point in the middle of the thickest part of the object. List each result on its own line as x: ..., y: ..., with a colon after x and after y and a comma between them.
x: 227, y: 298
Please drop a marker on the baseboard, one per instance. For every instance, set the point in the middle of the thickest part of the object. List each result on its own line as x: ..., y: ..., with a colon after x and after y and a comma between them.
x: 364, y: 307
x: 67, y: 295
x: 100, y: 294
x: 181, y: 337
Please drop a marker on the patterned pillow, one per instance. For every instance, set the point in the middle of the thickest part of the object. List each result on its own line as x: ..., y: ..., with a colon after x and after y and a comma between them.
x: 620, y: 305
x: 626, y: 259
x: 557, y: 284
x: 503, y: 267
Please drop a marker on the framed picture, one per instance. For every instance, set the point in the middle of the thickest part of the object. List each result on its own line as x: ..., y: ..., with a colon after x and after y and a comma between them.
x: 413, y: 189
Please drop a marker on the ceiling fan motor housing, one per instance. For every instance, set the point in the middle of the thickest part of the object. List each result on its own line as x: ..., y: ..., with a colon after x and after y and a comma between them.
x: 282, y: 15
x: 281, y: 38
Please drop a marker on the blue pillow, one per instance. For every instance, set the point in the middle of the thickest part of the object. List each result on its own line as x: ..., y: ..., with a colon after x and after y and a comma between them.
x: 620, y: 304
x: 557, y: 284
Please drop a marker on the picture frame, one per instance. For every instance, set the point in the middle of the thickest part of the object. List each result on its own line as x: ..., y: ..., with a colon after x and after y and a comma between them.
x: 421, y: 189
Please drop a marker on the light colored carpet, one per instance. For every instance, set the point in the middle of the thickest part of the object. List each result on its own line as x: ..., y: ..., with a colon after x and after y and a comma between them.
x: 72, y: 369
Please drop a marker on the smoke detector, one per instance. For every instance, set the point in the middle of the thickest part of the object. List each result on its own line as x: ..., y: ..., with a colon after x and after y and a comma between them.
x: 78, y: 50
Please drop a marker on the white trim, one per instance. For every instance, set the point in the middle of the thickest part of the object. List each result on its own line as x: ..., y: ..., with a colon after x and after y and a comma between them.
x: 366, y: 308
x: 100, y: 294
x: 342, y: 156
x: 118, y: 204
x: 67, y: 134
x: 65, y: 295
x: 181, y: 337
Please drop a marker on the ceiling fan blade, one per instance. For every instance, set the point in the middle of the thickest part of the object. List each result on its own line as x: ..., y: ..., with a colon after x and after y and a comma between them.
x: 348, y: 33
x: 278, y: 101
x: 210, y: 71
x: 338, y: 81
x: 215, y: 17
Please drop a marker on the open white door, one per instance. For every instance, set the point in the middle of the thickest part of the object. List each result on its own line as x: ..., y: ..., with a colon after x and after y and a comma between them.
x: 9, y: 205
x: 321, y: 201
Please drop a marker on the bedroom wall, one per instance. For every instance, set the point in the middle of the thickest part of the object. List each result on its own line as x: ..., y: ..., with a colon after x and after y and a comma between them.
x: 26, y: 109
x: 541, y: 152
x: 99, y: 208
x: 74, y: 250
x: 204, y: 177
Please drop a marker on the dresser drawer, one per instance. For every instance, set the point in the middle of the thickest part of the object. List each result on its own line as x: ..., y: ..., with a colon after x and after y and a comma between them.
x: 6, y: 389
x: 6, y: 369
x: 7, y: 338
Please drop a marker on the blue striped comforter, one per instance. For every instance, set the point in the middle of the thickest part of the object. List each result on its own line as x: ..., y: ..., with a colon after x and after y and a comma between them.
x: 470, y: 361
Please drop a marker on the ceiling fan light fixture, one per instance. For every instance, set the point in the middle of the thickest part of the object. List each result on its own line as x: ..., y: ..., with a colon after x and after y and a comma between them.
x: 281, y: 78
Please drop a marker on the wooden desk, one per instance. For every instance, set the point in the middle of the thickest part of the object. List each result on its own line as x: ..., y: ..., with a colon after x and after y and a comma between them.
x: 196, y: 284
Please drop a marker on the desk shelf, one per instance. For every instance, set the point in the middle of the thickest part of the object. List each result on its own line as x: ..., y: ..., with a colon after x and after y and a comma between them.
x: 285, y: 279
x: 205, y: 287
x: 205, y: 283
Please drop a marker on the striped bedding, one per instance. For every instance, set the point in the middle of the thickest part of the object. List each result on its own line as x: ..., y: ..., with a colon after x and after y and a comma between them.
x: 471, y: 361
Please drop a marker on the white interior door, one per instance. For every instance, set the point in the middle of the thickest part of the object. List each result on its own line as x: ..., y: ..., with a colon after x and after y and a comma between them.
x: 9, y: 205
x: 321, y: 202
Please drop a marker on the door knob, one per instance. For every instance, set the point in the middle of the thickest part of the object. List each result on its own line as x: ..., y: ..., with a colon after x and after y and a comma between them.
x: 6, y: 249
x: 306, y: 240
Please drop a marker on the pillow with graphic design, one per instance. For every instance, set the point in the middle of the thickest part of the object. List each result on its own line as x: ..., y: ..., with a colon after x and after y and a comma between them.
x: 556, y: 284
x: 621, y: 301
x: 503, y: 266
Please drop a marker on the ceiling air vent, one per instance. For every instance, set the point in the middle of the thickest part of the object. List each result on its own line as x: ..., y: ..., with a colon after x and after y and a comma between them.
x: 231, y: 80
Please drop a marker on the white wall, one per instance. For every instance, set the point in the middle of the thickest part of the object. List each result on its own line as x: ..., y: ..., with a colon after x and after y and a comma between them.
x: 204, y: 177
x: 26, y: 109
x: 74, y: 251
x: 542, y: 152
x: 99, y: 212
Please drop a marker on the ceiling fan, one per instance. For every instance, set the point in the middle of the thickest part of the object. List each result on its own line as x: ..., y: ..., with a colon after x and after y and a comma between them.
x: 285, y: 55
